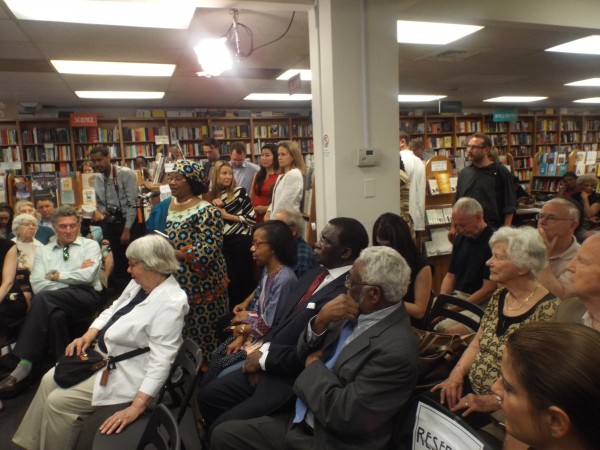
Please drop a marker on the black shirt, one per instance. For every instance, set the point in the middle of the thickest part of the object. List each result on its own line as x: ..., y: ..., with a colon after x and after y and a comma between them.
x: 468, y: 259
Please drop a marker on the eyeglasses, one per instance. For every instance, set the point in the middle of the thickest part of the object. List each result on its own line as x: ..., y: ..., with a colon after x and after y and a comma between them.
x: 474, y: 146
x: 549, y: 218
x: 257, y: 244
x: 350, y: 282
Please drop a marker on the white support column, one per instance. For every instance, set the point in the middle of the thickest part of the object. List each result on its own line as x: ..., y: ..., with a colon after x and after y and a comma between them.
x: 354, y: 62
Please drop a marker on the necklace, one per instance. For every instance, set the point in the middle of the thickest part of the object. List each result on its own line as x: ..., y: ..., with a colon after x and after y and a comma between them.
x: 185, y: 202
x: 529, y: 297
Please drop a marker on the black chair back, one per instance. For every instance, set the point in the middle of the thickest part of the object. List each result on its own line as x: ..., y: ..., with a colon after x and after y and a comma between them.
x: 161, y: 432
x: 440, y: 309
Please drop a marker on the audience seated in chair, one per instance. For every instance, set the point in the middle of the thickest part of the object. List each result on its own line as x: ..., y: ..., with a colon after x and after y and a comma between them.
x: 43, y: 234
x: 306, y: 255
x: 468, y: 277
x: 265, y: 382
x: 25, y: 227
x: 549, y: 390
x: 360, y: 355
x: 517, y: 256
x: 585, y: 273
x: 66, y: 288
x: 557, y: 222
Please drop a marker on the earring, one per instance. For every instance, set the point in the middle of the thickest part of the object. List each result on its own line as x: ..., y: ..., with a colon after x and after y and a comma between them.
x: 553, y: 435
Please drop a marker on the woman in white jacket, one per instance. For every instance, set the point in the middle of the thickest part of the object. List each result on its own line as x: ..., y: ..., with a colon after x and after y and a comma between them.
x: 156, y: 307
x: 289, y: 187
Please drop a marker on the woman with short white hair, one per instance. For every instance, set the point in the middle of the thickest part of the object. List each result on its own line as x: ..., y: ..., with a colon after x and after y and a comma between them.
x: 24, y: 227
x: 149, y: 313
x: 518, y: 254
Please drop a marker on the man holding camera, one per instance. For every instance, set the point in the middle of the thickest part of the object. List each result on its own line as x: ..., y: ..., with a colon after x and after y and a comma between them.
x: 116, y: 199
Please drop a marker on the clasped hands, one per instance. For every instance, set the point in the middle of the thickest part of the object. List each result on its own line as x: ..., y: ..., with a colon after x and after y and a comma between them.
x: 451, y: 393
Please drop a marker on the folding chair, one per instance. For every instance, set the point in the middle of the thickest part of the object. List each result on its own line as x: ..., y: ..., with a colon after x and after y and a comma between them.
x: 161, y: 431
x: 440, y: 309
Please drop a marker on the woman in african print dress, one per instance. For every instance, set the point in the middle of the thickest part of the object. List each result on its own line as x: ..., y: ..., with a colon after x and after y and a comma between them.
x: 195, y: 229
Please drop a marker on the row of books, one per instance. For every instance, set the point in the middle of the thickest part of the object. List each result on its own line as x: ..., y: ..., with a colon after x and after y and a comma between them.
x: 592, y: 125
x: 496, y: 127
x: 439, y: 244
x: 143, y: 134
x: 521, y: 139
x: 546, y: 184
x: 8, y: 136
x: 523, y: 163
x: 148, y: 150
x: 547, y: 124
x: 44, y: 135
x: 439, y: 216
x: 302, y: 130
x: 552, y: 170
x: 439, y: 127
x: 274, y: 131
x: 83, y: 151
x: 10, y: 154
x: 188, y: 133
x: 443, y: 141
x: 443, y: 183
x: 570, y: 137
x: 48, y: 153
x: 93, y: 134
x: 569, y: 125
x: 411, y: 127
x: 231, y: 131
x: 547, y: 138
x: 523, y: 175
x: 468, y: 126
x: 520, y: 151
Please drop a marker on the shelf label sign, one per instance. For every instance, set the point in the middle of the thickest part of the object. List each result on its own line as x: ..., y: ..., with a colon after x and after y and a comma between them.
x: 505, y: 115
x: 84, y: 119
x: 161, y: 139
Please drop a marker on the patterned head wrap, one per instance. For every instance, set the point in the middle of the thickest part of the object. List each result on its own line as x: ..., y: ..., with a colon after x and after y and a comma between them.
x: 191, y: 170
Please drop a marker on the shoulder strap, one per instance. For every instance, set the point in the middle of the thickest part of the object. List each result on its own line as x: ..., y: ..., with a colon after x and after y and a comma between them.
x: 112, y: 360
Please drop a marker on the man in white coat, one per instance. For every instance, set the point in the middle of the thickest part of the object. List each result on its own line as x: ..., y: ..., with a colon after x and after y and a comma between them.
x: 415, y: 169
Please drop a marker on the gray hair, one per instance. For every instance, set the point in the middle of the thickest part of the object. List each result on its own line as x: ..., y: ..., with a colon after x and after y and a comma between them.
x: 154, y: 253
x: 65, y: 211
x: 524, y: 247
x: 22, y: 219
x: 572, y: 209
x: 469, y: 206
x: 292, y: 217
x: 587, y: 178
x: 386, y: 268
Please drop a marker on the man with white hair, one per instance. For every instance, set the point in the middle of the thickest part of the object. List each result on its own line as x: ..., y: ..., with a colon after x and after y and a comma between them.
x: 557, y: 222
x: 360, y: 353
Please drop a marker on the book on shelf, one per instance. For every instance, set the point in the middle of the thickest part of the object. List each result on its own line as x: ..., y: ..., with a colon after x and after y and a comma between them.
x: 562, y: 169
x: 88, y: 193
x: 443, y: 182
x: 439, y: 244
x: 67, y: 190
x: 551, y: 170
x: 590, y: 156
x: 579, y: 168
x: 433, y: 187
x: 543, y: 169
x: 44, y: 186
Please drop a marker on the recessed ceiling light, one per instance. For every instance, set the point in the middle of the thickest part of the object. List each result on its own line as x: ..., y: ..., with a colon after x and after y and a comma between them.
x: 175, y: 14
x: 419, y: 98
x: 515, y: 99
x: 410, y: 32
x: 588, y: 100
x: 588, y: 82
x: 588, y: 45
x: 113, y: 68
x: 120, y: 94
x: 305, y: 75
x: 279, y: 97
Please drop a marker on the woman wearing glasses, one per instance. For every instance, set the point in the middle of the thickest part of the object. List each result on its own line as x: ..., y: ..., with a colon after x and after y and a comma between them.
x: 195, y: 229
x: 273, y: 249
x: 238, y: 215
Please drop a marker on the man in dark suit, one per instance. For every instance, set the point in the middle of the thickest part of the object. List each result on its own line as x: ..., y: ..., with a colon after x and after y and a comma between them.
x: 265, y: 382
x: 361, y: 367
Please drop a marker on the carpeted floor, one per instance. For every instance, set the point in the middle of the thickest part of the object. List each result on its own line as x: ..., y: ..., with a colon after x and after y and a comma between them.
x: 10, y: 418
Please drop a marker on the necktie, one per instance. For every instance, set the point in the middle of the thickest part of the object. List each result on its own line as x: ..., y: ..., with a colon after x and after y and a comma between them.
x: 139, y: 298
x: 312, y: 288
x: 301, y: 408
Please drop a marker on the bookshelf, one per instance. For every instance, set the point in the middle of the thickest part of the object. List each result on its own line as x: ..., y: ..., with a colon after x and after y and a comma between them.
x: 190, y: 133
x: 46, y: 146
x: 10, y: 155
x: 549, y: 167
x: 85, y: 138
x: 464, y: 127
x: 302, y: 133
x: 138, y: 137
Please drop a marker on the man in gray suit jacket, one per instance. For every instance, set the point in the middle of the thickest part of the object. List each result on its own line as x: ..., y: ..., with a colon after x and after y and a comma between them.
x: 360, y: 368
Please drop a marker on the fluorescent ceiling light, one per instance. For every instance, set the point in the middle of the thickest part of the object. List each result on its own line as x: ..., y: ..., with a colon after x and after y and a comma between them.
x: 305, y: 75
x: 214, y: 56
x: 515, y: 99
x: 279, y: 97
x: 175, y: 14
x: 120, y: 94
x: 588, y: 100
x: 113, y: 68
x: 410, y: 32
x: 419, y: 98
x: 588, y: 82
x: 588, y: 45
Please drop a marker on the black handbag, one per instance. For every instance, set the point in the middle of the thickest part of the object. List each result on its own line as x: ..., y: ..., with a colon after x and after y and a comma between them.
x: 71, y: 370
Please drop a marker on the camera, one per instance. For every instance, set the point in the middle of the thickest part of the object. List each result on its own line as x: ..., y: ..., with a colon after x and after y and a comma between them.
x: 114, y: 215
